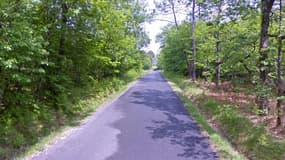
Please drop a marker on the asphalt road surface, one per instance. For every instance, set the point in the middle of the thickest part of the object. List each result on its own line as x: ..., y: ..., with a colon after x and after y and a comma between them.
x: 147, y: 122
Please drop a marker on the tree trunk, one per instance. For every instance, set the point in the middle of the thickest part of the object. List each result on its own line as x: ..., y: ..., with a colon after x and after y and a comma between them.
x: 64, y: 10
x: 2, y: 87
x: 193, y: 41
x: 266, y: 6
x: 218, y: 63
x: 218, y: 48
x: 278, y: 68
x: 190, y: 68
x: 173, y: 12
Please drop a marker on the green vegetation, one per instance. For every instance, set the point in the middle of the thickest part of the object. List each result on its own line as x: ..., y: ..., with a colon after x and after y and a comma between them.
x: 239, y: 43
x: 84, y: 107
x: 58, y: 57
x: 56, y: 54
x: 248, y: 138
x: 185, y: 89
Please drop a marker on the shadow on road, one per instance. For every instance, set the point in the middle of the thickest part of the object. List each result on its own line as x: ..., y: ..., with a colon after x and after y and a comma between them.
x: 178, y: 127
x: 152, y: 79
x: 156, y: 125
x: 165, y: 101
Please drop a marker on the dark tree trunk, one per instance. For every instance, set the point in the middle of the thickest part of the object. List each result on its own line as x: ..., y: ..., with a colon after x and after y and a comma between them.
x: 2, y: 87
x: 190, y: 68
x: 218, y: 63
x: 266, y: 6
x: 193, y: 41
x: 278, y: 68
x: 218, y: 49
x: 266, y: 9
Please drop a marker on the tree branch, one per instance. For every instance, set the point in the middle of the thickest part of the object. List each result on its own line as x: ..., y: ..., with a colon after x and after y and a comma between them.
x: 277, y: 36
x: 165, y: 20
x: 273, y: 35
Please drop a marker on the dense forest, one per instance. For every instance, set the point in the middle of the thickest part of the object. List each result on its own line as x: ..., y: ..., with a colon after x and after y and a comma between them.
x: 240, y: 42
x: 232, y: 52
x: 54, y: 52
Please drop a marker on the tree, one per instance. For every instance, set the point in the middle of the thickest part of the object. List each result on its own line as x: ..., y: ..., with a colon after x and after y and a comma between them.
x: 175, y: 53
x: 280, y: 90
x: 53, y: 53
x: 218, y: 45
x: 229, y: 48
x: 193, y: 74
x: 266, y: 6
x: 169, y: 6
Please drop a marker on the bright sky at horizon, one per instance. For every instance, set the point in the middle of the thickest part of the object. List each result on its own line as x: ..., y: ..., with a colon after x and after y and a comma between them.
x: 155, y: 27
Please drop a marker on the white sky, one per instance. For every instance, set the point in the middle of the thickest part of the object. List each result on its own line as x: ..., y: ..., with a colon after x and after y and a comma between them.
x: 155, y: 27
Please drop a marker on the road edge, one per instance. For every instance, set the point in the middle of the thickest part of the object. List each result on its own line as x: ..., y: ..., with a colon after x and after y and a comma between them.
x: 67, y: 131
x: 218, y: 144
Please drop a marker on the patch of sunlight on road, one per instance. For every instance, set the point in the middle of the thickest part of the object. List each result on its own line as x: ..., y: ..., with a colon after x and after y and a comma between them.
x: 109, y: 137
x: 110, y: 147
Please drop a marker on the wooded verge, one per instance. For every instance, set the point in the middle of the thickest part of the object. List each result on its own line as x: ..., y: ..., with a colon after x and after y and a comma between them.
x: 56, y: 53
x: 228, y: 119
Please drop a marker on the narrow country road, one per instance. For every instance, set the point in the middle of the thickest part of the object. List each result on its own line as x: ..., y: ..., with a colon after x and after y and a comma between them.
x: 148, y: 122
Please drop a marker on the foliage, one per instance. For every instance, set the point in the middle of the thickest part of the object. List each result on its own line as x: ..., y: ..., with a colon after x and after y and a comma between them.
x: 231, y: 46
x: 147, y: 61
x: 174, y: 54
x: 238, y: 49
x: 50, y: 49
x: 250, y: 139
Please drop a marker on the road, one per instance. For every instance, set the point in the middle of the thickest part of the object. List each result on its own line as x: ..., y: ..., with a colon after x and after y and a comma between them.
x: 147, y: 122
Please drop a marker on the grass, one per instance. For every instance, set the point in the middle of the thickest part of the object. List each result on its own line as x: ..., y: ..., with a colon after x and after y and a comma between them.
x: 219, y: 144
x: 91, y: 105
x: 84, y: 107
x: 248, y: 138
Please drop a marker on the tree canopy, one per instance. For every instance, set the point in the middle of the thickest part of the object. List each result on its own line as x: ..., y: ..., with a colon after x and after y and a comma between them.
x: 231, y: 46
x: 51, y: 48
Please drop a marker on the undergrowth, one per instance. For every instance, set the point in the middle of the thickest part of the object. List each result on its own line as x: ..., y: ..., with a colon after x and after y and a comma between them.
x: 22, y: 128
x: 250, y: 139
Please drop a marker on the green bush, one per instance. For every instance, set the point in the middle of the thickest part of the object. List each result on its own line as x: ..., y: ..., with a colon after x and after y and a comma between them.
x: 23, y: 126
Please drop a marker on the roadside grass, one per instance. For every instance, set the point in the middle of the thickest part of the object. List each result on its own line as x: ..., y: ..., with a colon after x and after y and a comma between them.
x: 89, y: 106
x: 249, y: 139
x: 219, y: 144
x: 85, y: 105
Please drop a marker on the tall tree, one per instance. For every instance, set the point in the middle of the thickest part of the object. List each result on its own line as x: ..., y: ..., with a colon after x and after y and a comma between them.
x: 266, y: 7
x: 193, y: 74
x: 171, y: 7
x: 171, y: 2
x: 54, y: 51
x: 218, y: 44
x: 278, y: 68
